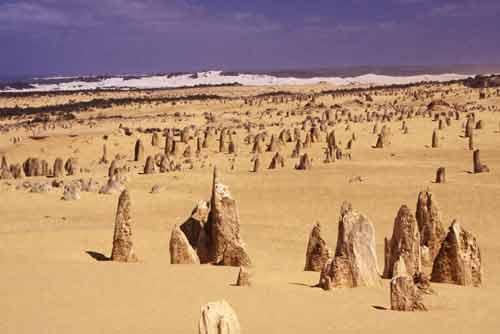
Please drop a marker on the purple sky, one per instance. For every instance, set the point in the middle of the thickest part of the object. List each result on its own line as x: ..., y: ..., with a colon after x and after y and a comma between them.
x: 49, y: 37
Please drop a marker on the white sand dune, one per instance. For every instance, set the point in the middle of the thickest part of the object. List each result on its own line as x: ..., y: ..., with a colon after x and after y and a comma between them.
x: 219, y: 78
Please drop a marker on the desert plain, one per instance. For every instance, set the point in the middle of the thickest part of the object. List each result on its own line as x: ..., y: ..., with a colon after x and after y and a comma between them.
x: 56, y: 274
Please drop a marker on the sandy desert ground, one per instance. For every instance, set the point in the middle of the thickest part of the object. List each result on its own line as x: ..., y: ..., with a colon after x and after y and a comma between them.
x: 53, y: 282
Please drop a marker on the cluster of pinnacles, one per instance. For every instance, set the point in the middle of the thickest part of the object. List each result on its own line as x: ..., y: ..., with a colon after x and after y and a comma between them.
x: 419, y: 245
x: 210, y: 235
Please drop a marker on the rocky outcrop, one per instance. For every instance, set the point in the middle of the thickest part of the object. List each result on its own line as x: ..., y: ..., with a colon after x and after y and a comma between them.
x: 138, y: 151
x: 213, y: 230
x: 193, y: 226
x: 4, y: 164
x: 435, y: 139
x: 58, y: 168
x: 459, y: 259
x: 72, y: 166
x: 318, y: 253
x: 256, y: 164
x: 404, y: 244
x: 41, y: 188
x: 123, y: 248
x: 223, y: 227
x: 405, y: 296
x: 155, y: 139
x: 33, y: 167
x: 355, y: 260
x: 104, y: 158
x: 430, y: 227
x: 218, y: 318
x: 278, y: 161
x: 244, y: 277
x: 16, y: 171
x: 113, y: 186
x: 71, y: 193
x: 441, y: 175
x: 181, y: 251
x: 478, y: 166
x: 5, y: 174
x: 149, y: 167
x: 304, y: 163
x: 5, y: 171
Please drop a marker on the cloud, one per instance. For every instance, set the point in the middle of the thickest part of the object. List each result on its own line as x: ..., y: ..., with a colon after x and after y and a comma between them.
x: 69, y: 36
x: 313, y: 19
x: 133, y: 15
x: 467, y: 8
x: 31, y: 13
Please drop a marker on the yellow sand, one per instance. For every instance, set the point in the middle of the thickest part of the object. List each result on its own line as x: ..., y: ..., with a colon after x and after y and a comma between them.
x: 50, y: 284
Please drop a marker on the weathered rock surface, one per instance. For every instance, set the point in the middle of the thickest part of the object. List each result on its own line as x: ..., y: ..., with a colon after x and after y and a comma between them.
x: 244, y: 277
x: 355, y: 260
x: 304, y: 163
x: 104, y: 158
x: 5, y: 174
x: 430, y: 227
x: 404, y: 244
x: 155, y: 139
x: 71, y: 193
x: 218, y: 318
x: 16, y: 171
x: 459, y: 259
x: 405, y: 296
x: 181, y: 251
x: 41, y: 188
x: 156, y: 189
x: 149, y: 167
x: 278, y: 161
x: 478, y: 166
x: 256, y: 165
x: 138, y: 150
x: 113, y: 186
x: 72, y: 166
x: 33, y: 167
x: 193, y: 226
x: 226, y: 246
x: 123, y: 247
x: 89, y: 185
x: 58, y: 168
x: 318, y: 253
x: 4, y: 164
x: 441, y: 175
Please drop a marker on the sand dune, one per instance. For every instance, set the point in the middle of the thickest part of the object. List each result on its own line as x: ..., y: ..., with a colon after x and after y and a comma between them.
x: 219, y: 78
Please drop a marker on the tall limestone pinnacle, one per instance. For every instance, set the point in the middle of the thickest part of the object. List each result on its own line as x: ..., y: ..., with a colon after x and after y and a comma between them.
x: 213, y: 230
x: 123, y: 248
x: 226, y: 246
x: 355, y: 260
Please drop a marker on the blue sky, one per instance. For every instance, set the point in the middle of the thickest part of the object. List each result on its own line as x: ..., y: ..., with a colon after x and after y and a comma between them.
x: 49, y: 37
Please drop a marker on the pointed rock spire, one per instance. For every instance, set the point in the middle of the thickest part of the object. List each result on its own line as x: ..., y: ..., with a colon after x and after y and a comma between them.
x: 244, y: 277
x: 430, y: 227
x: 181, y: 251
x: 459, y: 259
x: 355, y: 260
x: 123, y: 248
x: 226, y: 246
x: 404, y: 244
x: 318, y: 253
